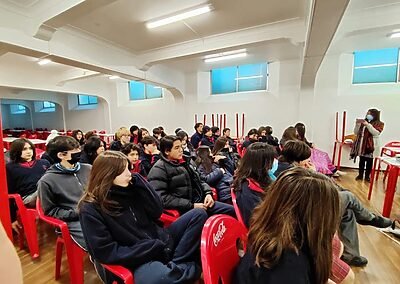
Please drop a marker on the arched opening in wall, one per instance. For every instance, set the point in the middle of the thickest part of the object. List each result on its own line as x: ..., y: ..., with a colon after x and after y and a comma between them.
x: 31, y: 114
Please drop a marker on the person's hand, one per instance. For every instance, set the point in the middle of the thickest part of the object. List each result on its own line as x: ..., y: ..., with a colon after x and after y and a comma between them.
x: 209, y: 201
x: 156, y: 152
x: 222, y: 170
x: 16, y: 226
x: 200, y: 205
x: 365, y: 123
x: 307, y: 164
x: 218, y: 157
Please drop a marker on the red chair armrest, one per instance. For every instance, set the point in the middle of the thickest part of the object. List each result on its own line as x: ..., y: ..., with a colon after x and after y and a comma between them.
x: 120, y: 271
x: 170, y: 212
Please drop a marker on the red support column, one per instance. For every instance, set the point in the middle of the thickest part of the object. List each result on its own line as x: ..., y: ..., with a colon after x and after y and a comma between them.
x: 212, y: 119
x: 220, y: 122
x: 243, y: 125
x: 204, y: 119
x: 195, y: 118
x: 224, y: 120
x: 4, y: 207
x: 344, y: 125
x: 237, y: 125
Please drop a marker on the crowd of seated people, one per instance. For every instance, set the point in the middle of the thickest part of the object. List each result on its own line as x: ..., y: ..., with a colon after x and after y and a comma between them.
x: 111, y: 200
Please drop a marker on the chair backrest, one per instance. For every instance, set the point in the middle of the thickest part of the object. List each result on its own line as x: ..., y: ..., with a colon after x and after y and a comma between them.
x: 221, y: 239
x: 395, y: 144
x: 236, y: 207
x: 52, y: 221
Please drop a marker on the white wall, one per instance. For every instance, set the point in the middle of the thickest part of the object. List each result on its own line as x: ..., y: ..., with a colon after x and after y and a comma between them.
x: 334, y: 92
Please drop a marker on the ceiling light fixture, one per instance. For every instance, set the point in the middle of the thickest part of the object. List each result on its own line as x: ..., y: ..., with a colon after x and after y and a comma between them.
x: 44, y: 61
x: 395, y: 35
x: 113, y: 77
x: 225, y: 56
x: 192, y: 12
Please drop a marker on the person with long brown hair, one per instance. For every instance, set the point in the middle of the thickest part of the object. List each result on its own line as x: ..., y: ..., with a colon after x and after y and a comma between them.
x: 367, y: 145
x: 252, y: 177
x: 291, y: 231
x: 223, y: 148
x: 290, y: 133
x: 119, y: 214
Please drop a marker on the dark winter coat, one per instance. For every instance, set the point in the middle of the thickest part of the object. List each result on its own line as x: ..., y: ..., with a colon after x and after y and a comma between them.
x: 219, y: 180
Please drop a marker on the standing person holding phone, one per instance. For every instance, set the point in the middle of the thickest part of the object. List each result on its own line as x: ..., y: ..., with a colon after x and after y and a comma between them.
x: 366, y: 145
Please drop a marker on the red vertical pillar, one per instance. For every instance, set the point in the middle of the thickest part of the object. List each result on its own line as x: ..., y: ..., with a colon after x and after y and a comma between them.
x: 220, y: 122
x: 212, y: 119
x: 195, y: 118
x: 237, y: 125
x: 204, y: 119
x: 4, y: 203
x: 344, y: 126
x: 243, y: 125
x: 224, y: 120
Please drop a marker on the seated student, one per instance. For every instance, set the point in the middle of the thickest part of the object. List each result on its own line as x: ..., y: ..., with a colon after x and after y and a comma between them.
x: 134, y: 130
x: 45, y: 155
x: 150, y: 154
x: 214, y: 175
x: 61, y: 187
x: 252, y: 178
x: 90, y: 134
x: 215, y: 132
x: 157, y: 134
x: 227, y: 134
x: 92, y: 148
x: 297, y: 153
x: 271, y: 140
x: 188, y: 149
x: 120, y: 215
x: 319, y: 158
x: 290, y: 133
x: 223, y: 148
x: 78, y: 135
x: 252, y: 137
x: 198, y: 135
x: 178, y: 183
x: 122, y: 137
x: 162, y: 131
x: 208, y: 139
x: 291, y: 231
x: 262, y: 134
x: 23, y: 172
x: 132, y: 152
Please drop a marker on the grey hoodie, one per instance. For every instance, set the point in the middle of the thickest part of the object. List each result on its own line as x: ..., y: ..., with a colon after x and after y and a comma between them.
x: 60, y: 191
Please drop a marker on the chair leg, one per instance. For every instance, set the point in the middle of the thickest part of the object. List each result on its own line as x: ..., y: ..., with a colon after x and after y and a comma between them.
x: 21, y: 240
x: 75, y: 261
x: 59, y: 251
x: 386, y: 173
x: 31, y: 234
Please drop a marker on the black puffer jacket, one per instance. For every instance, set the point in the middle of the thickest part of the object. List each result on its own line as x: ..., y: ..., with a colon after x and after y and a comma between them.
x: 219, y: 180
x: 178, y: 184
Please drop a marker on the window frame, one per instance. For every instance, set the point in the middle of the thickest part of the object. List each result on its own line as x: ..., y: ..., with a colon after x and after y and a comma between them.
x: 89, y: 103
x: 20, y: 111
x: 145, y: 90
x: 397, y: 81
x: 237, y: 79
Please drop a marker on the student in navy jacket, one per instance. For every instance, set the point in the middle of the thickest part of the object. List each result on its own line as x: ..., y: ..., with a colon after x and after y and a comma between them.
x: 150, y: 154
x: 208, y: 139
x: 92, y: 148
x: 291, y: 232
x: 132, y: 152
x: 23, y: 172
x: 253, y: 177
x: 213, y: 174
x: 223, y: 148
x: 120, y: 215
x: 198, y: 135
x: 252, y: 136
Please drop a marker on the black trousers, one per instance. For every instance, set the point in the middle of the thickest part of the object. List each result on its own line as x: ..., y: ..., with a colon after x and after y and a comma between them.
x: 365, y: 164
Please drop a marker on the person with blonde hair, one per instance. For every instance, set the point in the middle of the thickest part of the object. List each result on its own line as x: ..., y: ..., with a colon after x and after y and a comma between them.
x: 122, y: 137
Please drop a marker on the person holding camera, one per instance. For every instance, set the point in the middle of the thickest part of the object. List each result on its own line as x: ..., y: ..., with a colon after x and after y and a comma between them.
x: 212, y: 171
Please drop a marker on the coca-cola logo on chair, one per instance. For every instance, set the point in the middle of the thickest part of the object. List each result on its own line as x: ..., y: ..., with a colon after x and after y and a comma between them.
x: 217, y: 237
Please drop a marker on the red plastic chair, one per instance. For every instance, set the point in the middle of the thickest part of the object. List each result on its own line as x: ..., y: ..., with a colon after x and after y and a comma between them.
x: 241, y: 150
x: 236, y: 207
x: 121, y: 272
x: 220, y: 239
x: 27, y: 216
x: 74, y: 252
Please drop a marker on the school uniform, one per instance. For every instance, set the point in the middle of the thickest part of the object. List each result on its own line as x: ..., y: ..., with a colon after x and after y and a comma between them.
x: 132, y: 236
x: 148, y: 160
x: 219, y: 180
x: 138, y: 168
x: 116, y: 146
x: 207, y: 141
x: 195, y: 139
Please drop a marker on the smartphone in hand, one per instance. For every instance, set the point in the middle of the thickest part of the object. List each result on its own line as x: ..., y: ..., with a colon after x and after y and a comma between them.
x: 360, y: 120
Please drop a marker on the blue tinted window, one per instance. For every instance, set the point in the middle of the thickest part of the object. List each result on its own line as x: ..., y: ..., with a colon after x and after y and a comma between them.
x: 223, y: 80
x: 376, y: 66
x: 87, y: 100
x: 17, y: 109
x: 142, y: 91
x: 251, y: 77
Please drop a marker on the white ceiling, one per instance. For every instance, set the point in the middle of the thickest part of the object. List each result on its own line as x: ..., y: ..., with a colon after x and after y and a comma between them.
x: 123, y: 22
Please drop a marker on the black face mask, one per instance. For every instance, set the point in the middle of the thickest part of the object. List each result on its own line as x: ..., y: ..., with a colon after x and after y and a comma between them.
x: 75, y: 157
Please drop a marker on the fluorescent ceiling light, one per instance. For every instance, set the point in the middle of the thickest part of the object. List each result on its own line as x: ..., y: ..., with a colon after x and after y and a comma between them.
x: 395, y: 35
x: 179, y: 17
x: 226, y: 57
x: 113, y: 77
x: 225, y: 53
x: 249, y: 77
x: 44, y: 61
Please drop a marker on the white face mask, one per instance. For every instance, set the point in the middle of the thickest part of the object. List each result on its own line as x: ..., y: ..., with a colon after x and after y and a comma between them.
x: 369, y: 117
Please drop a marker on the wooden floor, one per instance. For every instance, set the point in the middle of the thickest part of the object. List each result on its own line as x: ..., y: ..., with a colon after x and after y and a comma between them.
x: 382, y: 253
